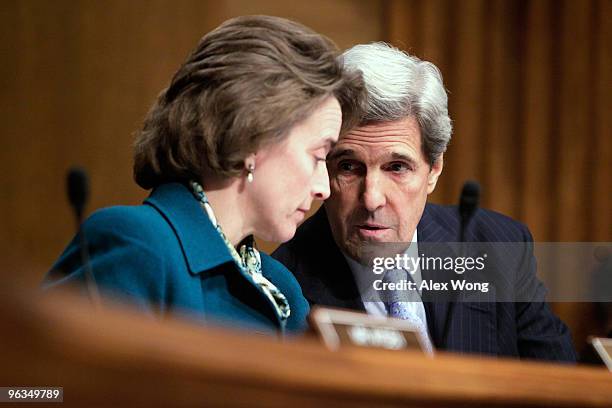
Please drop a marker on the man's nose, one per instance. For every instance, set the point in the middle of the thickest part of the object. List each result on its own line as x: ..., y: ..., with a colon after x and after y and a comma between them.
x: 320, y: 186
x: 373, y: 195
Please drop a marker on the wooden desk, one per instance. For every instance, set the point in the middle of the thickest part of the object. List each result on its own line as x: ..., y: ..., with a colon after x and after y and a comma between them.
x: 118, y: 358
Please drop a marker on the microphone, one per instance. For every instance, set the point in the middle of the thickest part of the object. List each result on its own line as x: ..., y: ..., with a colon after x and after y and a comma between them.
x: 78, y: 191
x: 468, y: 204
x: 77, y: 187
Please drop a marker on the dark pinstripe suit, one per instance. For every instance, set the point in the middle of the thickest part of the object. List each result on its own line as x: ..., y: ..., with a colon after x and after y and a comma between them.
x: 526, y: 330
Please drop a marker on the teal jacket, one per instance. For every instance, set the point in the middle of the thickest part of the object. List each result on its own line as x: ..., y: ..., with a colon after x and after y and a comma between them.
x: 165, y: 256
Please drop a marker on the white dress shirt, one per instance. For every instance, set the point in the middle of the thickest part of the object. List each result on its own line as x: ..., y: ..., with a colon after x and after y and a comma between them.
x: 364, y: 276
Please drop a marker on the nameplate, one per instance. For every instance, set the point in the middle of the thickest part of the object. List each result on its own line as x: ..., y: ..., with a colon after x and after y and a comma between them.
x: 603, y: 347
x: 339, y: 328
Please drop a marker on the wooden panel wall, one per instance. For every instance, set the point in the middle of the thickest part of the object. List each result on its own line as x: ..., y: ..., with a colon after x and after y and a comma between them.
x: 530, y: 98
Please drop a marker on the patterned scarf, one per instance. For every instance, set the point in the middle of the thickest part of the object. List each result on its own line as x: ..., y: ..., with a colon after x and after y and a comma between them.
x: 248, y: 260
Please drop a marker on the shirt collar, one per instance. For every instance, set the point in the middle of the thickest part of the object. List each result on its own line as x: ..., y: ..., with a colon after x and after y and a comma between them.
x: 364, y: 276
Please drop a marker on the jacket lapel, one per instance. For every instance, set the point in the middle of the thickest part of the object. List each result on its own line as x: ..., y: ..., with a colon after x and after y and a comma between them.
x: 325, y: 277
x: 202, y: 245
x: 431, y: 230
x: 455, y: 323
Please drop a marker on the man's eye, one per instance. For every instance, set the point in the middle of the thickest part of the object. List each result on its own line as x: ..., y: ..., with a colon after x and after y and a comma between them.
x: 398, y: 167
x: 346, y: 165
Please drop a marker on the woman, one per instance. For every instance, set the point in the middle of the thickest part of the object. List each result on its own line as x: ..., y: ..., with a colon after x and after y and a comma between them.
x: 234, y: 147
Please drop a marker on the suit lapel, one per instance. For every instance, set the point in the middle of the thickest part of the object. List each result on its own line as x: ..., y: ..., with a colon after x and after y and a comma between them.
x: 338, y: 287
x: 324, y: 274
x: 455, y: 324
x: 431, y: 230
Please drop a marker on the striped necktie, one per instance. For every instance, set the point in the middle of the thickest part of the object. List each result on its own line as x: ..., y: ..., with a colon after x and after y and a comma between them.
x: 399, y: 307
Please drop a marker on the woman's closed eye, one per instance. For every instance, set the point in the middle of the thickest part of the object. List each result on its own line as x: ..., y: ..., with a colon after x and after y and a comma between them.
x: 320, y: 155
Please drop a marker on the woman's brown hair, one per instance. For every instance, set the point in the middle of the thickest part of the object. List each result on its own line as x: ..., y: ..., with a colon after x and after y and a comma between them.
x: 246, y: 84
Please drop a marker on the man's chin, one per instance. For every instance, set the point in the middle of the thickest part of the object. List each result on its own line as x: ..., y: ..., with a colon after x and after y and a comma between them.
x: 364, y: 251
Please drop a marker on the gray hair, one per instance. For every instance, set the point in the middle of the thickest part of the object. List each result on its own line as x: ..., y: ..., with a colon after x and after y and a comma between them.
x: 401, y: 85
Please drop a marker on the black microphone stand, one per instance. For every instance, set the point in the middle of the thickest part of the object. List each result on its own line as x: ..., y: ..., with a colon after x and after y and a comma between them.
x: 78, y: 192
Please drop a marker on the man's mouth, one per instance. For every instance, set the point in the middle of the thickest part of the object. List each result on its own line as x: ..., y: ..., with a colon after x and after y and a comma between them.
x: 370, y: 230
x: 301, y: 213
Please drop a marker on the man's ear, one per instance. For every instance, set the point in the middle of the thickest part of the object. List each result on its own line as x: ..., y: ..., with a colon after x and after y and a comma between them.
x: 434, y: 173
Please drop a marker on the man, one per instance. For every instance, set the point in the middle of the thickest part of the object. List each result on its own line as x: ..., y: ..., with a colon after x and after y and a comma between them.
x: 381, y: 173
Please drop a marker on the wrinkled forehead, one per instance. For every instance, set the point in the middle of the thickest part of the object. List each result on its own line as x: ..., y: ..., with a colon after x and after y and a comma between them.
x: 383, y: 139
